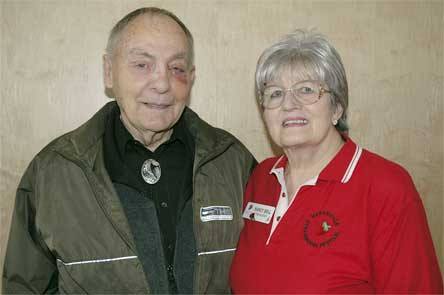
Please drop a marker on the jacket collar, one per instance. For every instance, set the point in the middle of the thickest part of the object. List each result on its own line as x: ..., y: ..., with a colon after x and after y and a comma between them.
x: 340, y: 168
x: 209, y: 141
x: 83, y: 143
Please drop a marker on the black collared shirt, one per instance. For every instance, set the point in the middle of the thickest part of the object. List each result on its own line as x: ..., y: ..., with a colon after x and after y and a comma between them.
x: 124, y: 157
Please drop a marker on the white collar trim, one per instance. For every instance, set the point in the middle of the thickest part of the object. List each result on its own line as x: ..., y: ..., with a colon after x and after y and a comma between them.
x: 352, y: 165
x: 348, y: 172
x: 274, y: 169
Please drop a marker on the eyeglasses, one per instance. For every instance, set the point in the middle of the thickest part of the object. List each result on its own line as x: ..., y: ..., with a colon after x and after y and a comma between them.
x: 305, y: 92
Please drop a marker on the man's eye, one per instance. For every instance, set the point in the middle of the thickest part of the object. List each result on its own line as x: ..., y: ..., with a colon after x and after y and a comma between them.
x: 178, y: 70
x: 142, y: 65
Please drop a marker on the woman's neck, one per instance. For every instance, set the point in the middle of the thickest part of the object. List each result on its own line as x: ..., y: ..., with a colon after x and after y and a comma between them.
x: 307, y: 161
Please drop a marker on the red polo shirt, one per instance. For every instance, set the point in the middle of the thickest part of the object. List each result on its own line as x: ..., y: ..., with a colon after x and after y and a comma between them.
x: 360, y: 229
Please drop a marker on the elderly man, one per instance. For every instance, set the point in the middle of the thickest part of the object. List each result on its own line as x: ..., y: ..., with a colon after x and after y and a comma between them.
x: 145, y: 197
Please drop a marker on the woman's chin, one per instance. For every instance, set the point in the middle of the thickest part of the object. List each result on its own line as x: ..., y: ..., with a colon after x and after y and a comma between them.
x: 292, y: 142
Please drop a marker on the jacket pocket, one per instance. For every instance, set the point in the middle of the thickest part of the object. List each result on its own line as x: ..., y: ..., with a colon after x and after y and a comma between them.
x: 105, y: 275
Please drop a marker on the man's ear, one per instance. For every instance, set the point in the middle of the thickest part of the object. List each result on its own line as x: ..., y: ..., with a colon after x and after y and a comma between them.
x: 192, y: 74
x: 107, y: 71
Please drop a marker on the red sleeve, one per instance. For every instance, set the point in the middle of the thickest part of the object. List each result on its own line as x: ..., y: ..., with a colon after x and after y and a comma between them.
x: 403, y: 256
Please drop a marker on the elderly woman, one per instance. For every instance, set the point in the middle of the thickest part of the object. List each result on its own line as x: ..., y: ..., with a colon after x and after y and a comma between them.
x: 327, y: 216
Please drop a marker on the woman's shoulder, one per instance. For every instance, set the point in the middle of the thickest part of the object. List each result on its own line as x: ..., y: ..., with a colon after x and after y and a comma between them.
x: 382, y: 168
x: 269, y: 163
x: 265, y: 167
x: 386, y: 176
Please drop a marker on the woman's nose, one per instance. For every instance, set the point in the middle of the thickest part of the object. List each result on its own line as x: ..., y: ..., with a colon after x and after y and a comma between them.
x: 290, y: 101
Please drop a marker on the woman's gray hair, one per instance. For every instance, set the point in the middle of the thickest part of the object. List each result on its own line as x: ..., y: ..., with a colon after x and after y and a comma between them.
x: 314, y: 58
x: 117, y: 30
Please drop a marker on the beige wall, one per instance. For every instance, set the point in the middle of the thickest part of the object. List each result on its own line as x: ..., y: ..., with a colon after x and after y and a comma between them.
x: 50, y: 63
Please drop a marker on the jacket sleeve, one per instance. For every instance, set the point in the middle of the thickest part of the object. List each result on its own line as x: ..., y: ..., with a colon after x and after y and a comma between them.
x: 253, y: 164
x: 404, y: 259
x: 29, y: 266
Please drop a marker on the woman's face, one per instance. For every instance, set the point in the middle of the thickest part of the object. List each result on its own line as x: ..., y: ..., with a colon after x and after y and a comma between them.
x: 293, y: 125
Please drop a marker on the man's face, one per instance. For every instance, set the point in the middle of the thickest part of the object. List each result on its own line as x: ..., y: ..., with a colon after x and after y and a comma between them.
x: 150, y: 73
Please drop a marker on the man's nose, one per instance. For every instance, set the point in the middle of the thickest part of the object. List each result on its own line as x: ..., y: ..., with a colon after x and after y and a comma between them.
x: 160, y: 79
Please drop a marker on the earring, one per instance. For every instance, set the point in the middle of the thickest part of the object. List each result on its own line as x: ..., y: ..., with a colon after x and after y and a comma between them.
x: 335, y: 121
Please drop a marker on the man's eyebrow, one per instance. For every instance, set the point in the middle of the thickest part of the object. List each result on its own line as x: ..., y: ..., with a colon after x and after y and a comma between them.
x: 180, y: 55
x: 141, y: 52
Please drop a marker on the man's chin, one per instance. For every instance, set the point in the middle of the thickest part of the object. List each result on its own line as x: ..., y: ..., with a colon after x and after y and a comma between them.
x: 158, y: 127
x: 159, y: 120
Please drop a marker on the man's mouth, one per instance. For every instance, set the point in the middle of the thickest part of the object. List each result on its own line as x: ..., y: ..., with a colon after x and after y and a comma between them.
x: 158, y: 106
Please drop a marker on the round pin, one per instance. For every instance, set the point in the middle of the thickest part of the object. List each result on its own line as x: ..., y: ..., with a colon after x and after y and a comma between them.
x: 150, y: 171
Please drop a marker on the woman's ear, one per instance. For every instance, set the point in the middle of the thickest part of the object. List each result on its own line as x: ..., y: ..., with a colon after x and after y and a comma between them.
x: 337, y: 114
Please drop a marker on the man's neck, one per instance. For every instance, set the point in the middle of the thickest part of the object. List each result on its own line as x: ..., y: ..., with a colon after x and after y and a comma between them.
x: 151, y: 140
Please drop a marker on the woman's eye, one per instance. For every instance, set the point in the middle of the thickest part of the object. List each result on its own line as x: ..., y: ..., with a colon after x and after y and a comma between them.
x: 306, y: 90
x: 276, y: 94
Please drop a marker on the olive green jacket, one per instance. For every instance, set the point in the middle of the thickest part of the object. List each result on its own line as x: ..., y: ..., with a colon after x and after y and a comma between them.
x: 69, y: 232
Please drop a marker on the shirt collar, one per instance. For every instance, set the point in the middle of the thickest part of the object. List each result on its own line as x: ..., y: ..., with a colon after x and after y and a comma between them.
x: 340, y: 168
x: 123, y: 137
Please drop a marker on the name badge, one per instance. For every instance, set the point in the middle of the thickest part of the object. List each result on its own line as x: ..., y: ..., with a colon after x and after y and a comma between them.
x: 258, y: 212
x: 216, y: 213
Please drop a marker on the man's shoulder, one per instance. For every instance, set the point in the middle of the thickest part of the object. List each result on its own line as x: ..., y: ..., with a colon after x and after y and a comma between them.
x: 77, y: 141
x: 208, y: 134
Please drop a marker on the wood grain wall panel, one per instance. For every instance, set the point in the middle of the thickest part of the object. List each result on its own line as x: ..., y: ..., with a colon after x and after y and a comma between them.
x: 51, y: 76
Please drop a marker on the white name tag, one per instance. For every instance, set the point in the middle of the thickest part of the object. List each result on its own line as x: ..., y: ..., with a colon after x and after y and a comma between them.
x: 216, y: 213
x: 258, y: 212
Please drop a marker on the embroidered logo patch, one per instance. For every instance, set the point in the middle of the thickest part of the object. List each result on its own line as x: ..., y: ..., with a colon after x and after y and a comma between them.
x: 321, y: 229
x: 216, y: 213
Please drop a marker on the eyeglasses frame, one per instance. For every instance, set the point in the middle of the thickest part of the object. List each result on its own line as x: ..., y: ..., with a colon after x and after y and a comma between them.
x: 322, y: 90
